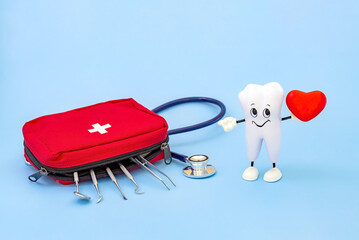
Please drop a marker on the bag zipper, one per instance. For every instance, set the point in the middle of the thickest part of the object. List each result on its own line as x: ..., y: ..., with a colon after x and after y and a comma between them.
x: 165, y: 147
x: 46, y: 170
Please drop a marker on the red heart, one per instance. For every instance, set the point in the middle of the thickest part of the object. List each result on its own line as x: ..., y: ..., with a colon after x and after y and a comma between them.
x: 306, y: 106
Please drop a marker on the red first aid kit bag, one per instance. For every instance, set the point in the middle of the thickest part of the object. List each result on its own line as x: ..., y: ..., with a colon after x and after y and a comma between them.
x: 94, y: 137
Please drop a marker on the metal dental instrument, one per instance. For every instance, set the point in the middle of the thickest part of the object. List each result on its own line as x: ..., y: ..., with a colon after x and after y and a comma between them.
x: 129, y: 175
x: 77, y: 193
x: 143, y: 165
x: 150, y: 164
x: 113, y: 178
x: 94, y: 180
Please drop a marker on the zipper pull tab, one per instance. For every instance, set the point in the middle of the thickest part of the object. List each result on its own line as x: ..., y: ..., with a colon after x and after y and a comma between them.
x: 166, y: 149
x: 36, y: 176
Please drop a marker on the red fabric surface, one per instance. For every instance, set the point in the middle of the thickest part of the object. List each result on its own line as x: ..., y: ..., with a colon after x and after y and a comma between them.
x: 63, y: 140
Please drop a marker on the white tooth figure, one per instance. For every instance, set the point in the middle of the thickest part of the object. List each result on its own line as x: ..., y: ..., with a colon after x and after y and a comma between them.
x: 262, y: 109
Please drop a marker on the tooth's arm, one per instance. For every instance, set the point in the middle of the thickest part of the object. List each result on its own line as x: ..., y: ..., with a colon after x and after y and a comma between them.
x: 230, y: 123
x: 292, y: 116
x: 240, y: 121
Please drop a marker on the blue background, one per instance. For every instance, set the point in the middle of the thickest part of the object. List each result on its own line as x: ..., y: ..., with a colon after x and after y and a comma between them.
x: 59, y: 55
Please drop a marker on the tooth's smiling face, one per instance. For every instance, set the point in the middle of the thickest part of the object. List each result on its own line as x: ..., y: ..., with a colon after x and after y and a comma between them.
x: 254, y: 113
x: 262, y: 104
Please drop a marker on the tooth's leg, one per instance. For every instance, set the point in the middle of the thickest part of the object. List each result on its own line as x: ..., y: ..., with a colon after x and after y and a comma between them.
x: 272, y: 140
x: 254, y: 143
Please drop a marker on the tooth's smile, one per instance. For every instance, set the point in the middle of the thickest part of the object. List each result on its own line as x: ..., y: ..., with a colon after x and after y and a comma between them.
x: 262, y: 124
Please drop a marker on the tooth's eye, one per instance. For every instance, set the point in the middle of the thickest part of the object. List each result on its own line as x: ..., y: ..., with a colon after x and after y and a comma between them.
x: 254, y: 112
x: 266, y: 113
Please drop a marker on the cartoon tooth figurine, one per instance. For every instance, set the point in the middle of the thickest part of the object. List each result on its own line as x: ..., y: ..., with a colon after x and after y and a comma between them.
x: 262, y: 109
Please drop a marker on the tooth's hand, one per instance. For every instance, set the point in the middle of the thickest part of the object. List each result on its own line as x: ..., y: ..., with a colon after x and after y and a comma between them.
x: 228, y: 123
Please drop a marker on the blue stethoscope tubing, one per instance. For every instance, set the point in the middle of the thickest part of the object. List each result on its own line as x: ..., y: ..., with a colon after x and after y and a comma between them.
x: 194, y: 127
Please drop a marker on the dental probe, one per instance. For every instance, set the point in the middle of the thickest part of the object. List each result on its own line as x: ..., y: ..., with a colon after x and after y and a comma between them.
x: 129, y: 175
x: 150, y: 164
x: 94, y: 180
x: 113, y: 178
x: 143, y: 165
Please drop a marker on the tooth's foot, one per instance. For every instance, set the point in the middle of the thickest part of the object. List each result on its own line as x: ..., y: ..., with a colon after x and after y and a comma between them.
x: 250, y: 174
x: 272, y: 175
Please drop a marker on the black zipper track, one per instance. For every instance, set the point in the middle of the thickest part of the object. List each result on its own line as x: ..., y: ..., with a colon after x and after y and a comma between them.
x: 96, y: 164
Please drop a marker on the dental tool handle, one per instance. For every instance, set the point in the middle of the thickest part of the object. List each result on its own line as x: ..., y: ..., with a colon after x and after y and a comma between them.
x: 126, y: 172
x: 110, y: 173
x: 94, y: 180
x: 76, y: 177
x: 93, y: 177
x: 113, y: 178
x: 159, y: 170
x: 143, y: 165
x: 129, y: 175
x: 76, y: 180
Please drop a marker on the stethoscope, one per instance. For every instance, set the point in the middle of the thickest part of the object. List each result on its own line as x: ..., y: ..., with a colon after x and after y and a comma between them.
x: 198, y: 164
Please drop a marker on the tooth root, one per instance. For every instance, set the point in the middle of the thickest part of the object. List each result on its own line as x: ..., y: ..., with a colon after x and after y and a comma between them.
x: 272, y: 140
x: 254, y: 144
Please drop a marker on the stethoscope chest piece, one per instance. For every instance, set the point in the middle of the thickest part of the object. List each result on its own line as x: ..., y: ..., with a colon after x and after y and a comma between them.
x: 199, y: 167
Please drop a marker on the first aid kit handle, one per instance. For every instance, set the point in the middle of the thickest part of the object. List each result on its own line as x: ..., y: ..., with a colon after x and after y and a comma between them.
x: 189, y: 100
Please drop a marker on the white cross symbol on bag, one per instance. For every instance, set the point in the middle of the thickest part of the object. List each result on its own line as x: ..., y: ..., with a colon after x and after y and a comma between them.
x: 98, y: 128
